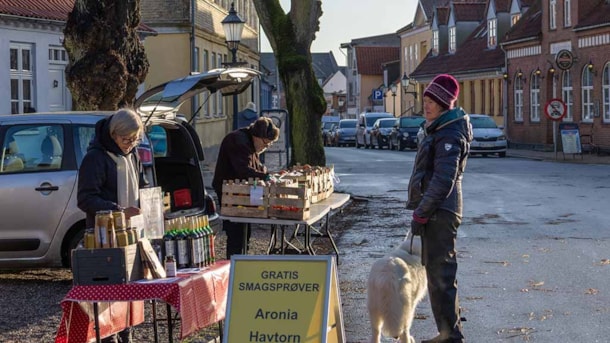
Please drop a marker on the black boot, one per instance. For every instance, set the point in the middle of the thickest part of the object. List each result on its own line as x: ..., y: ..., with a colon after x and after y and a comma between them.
x: 441, y: 339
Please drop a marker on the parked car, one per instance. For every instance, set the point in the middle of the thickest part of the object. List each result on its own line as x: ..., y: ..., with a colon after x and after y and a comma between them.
x: 380, y: 134
x: 41, y: 154
x: 365, y: 125
x: 346, y: 132
x: 326, y: 127
x: 488, y: 137
x: 329, y: 136
x: 405, y: 132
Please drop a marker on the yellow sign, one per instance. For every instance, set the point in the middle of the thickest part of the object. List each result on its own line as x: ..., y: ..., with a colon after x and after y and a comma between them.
x: 293, y: 299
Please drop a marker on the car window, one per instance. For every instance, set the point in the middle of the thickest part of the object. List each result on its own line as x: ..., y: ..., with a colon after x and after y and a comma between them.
x: 158, y: 140
x: 28, y: 148
x: 83, y: 135
x: 411, y: 121
x: 370, y: 120
x: 346, y: 124
x: 483, y: 123
x: 387, y: 123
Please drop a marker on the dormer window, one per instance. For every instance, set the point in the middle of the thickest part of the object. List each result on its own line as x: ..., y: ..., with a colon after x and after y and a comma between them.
x: 514, y: 19
x: 452, y: 39
x: 435, y: 42
x: 492, y: 33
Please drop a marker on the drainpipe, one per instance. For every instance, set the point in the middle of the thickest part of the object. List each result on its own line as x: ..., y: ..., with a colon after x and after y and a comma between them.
x: 505, y: 95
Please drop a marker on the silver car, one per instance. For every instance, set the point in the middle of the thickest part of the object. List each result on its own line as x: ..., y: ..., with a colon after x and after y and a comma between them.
x: 488, y: 137
x: 41, y: 154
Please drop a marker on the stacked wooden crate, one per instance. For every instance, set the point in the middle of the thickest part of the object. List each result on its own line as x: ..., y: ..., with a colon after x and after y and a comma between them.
x: 239, y: 199
x: 318, y: 179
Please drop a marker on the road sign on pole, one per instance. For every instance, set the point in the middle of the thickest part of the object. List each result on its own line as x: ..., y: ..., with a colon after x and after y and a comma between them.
x: 555, y: 109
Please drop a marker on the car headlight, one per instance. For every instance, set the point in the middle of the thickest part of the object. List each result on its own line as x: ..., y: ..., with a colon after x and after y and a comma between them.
x: 405, y: 134
x: 502, y: 138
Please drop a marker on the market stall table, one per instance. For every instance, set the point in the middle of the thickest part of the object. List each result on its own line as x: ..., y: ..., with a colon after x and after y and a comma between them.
x: 199, y: 297
x: 320, y: 210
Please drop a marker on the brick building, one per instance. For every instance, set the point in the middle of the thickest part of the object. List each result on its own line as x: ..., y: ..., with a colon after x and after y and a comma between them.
x: 559, y: 49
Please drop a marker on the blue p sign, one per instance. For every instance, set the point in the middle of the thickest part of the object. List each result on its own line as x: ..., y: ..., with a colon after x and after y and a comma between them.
x: 377, y: 94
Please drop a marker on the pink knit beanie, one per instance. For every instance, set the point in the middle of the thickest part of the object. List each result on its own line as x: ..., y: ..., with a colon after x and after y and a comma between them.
x: 444, y: 90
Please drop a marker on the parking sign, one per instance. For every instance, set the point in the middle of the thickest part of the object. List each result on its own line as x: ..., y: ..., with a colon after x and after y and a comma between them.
x: 377, y: 94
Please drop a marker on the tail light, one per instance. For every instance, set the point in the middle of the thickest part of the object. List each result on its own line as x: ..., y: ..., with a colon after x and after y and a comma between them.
x: 146, y: 155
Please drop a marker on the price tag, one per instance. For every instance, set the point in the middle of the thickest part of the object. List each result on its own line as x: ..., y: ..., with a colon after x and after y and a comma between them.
x: 256, y: 195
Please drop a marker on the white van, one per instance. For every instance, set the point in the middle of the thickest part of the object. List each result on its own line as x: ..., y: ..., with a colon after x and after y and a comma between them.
x: 365, y: 124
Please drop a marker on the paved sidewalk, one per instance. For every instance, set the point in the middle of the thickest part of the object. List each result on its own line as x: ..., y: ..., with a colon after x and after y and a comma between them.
x: 585, y: 158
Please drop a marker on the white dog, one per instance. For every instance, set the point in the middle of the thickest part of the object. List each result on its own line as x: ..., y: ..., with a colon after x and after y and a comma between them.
x: 397, y: 283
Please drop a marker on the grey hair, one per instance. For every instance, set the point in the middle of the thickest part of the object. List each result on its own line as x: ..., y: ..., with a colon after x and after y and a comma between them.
x: 126, y: 122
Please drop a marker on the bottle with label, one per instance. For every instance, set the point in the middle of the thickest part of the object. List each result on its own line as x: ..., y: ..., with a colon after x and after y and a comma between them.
x: 182, y: 249
x: 103, y: 219
x: 169, y: 243
x: 89, y: 238
x: 210, y: 233
x: 170, y: 266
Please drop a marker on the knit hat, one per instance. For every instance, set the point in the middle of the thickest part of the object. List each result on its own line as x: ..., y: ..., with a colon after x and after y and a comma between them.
x: 263, y: 127
x: 444, y: 90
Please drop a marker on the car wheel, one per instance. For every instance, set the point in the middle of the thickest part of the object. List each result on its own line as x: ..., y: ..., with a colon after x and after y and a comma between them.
x: 400, y: 147
x: 390, y: 146
x: 502, y: 154
x: 73, y: 240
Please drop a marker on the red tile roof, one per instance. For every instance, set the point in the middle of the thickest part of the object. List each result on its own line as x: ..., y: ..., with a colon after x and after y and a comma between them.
x: 471, y: 57
x: 40, y: 9
x: 599, y: 16
x: 529, y: 26
x: 370, y: 58
x: 502, y: 6
x: 46, y: 9
x: 443, y: 15
x: 469, y: 11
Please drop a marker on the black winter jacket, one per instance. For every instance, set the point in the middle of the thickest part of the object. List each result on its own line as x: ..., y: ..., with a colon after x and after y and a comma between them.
x: 436, y: 180
x: 97, y: 176
x: 237, y: 159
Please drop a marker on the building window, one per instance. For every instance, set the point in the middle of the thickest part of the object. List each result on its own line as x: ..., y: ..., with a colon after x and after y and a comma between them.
x: 21, y: 71
x: 587, y: 95
x: 567, y: 95
x: 58, y: 55
x: 518, y: 99
x: 535, y: 98
x: 492, y: 33
x: 606, y: 92
x: 514, y: 19
x: 435, y: 42
x: 219, y: 98
x: 452, y: 39
x: 552, y: 14
x: 567, y: 13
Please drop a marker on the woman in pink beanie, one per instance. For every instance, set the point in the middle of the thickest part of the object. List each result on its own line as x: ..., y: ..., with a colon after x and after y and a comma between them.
x: 435, y: 196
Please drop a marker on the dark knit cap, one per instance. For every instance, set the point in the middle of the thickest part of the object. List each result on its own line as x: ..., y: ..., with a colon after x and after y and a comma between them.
x: 263, y: 127
x: 444, y: 90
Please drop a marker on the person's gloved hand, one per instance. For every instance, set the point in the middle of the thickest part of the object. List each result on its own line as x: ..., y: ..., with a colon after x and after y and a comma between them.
x: 418, y: 225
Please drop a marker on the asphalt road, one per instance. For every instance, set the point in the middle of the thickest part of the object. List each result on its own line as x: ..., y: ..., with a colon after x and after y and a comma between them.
x: 534, y: 245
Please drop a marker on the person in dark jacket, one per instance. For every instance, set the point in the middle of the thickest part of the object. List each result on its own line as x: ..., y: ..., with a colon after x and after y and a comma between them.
x: 435, y: 196
x: 238, y: 159
x: 111, y: 174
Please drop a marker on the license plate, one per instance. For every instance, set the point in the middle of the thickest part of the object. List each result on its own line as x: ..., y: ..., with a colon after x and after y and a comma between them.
x: 487, y: 145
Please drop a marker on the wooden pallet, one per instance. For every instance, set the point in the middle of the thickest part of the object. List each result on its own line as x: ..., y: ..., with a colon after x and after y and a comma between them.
x: 237, y: 202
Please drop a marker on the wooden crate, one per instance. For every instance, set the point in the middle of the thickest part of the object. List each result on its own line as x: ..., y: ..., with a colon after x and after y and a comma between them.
x: 106, y: 266
x: 289, y: 202
x: 236, y: 200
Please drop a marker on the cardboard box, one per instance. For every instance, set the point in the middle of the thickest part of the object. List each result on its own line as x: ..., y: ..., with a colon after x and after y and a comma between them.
x: 106, y: 266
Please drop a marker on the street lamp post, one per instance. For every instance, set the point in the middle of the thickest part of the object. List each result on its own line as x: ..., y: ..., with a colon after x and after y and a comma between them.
x: 393, y: 89
x: 233, y: 27
x: 405, y: 81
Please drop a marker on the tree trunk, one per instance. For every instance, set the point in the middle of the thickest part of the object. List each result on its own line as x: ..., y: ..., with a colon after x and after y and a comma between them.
x: 107, y: 61
x: 290, y: 36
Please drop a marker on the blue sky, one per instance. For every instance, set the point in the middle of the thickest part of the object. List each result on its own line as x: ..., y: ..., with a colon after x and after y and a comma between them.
x: 344, y: 20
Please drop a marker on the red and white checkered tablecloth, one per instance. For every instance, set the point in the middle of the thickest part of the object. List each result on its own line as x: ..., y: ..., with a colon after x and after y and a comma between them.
x: 199, y: 298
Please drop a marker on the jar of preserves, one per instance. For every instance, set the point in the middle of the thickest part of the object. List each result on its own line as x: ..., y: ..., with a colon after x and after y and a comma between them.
x: 89, y: 238
x: 122, y: 238
x: 103, y: 223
